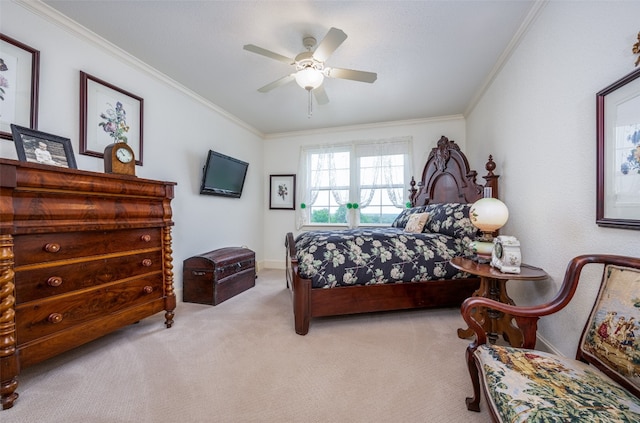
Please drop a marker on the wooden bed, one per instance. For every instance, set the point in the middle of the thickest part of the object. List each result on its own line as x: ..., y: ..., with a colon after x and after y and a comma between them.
x: 446, y: 178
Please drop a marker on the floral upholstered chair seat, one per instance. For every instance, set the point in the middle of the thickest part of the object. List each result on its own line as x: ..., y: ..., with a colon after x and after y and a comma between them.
x: 601, y: 385
x: 533, y: 386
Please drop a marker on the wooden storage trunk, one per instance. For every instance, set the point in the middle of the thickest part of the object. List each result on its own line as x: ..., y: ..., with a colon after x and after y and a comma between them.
x: 218, y: 275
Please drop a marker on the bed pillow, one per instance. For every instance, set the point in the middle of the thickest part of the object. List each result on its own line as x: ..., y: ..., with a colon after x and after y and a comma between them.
x: 416, y: 222
x: 403, y: 217
x: 451, y: 219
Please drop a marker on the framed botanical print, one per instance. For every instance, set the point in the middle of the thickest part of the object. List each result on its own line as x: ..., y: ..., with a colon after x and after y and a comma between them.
x: 282, y: 192
x: 108, y: 115
x: 19, y: 74
x: 618, y: 153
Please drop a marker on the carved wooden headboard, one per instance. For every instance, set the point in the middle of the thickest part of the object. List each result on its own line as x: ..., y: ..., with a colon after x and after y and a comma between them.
x: 446, y: 178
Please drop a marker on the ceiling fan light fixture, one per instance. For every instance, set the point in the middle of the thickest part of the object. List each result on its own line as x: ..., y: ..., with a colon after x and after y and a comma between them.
x: 309, y: 78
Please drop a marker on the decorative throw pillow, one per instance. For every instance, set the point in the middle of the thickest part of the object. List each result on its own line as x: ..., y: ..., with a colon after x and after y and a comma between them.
x: 416, y: 222
x: 403, y: 217
x: 451, y: 219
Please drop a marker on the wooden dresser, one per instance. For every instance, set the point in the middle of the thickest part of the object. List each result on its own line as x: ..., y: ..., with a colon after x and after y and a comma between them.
x: 81, y: 255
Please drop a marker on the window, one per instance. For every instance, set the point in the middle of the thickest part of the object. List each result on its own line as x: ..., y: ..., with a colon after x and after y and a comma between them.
x: 354, y: 183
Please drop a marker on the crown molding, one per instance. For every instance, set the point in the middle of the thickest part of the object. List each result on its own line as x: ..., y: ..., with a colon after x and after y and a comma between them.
x: 46, y: 12
x: 376, y: 125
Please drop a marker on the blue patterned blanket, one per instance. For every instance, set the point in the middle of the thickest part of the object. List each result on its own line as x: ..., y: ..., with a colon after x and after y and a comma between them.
x: 375, y: 256
x: 367, y: 256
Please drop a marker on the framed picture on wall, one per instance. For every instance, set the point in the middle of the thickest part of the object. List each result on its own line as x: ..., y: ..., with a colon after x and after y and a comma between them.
x: 282, y: 192
x: 618, y: 154
x: 19, y: 74
x: 39, y: 147
x: 108, y: 114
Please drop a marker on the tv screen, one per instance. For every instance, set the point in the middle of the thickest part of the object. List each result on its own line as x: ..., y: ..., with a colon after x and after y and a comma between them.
x: 223, y: 175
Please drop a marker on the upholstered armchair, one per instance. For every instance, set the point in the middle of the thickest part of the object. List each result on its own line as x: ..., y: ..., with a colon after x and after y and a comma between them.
x: 601, y: 384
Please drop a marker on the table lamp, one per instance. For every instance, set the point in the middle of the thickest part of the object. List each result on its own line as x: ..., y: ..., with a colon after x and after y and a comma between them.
x: 488, y: 215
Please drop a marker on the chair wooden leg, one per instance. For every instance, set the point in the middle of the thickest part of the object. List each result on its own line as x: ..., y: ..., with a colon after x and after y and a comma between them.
x: 473, y: 403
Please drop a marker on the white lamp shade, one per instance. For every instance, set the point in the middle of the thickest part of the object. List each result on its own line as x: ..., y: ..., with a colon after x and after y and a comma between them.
x: 309, y: 78
x: 488, y: 214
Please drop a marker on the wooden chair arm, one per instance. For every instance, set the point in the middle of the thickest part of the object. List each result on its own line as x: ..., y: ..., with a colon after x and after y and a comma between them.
x: 527, y: 316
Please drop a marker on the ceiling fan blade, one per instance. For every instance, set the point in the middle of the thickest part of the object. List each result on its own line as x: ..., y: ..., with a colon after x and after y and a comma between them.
x: 329, y: 44
x: 320, y: 95
x: 277, y: 83
x: 353, y: 75
x: 264, y: 52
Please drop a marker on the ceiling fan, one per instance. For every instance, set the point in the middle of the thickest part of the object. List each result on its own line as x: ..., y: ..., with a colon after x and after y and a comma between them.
x: 310, y: 66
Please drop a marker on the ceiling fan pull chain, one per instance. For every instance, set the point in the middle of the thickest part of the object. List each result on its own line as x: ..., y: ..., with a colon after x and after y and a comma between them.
x: 310, y: 110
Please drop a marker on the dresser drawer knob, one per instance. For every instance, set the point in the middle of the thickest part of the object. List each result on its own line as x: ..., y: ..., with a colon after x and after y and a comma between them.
x: 146, y: 238
x: 147, y: 262
x: 52, y: 247
x: 54, y: 281
x: 55, y: 318
x: 147, y: 289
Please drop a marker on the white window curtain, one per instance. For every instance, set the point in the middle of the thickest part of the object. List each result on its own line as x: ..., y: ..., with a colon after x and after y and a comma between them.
x: 380, y: 174
x: 383, y: 174
x: 309, y: 182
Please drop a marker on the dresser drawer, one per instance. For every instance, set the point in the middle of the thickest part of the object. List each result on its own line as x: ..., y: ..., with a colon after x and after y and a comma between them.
x: 40, y: 318
x: 43, y: 248
x: 46, y: 281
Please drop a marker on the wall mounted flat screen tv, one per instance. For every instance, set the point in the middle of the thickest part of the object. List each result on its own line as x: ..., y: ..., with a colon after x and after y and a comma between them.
x: 223, y: 175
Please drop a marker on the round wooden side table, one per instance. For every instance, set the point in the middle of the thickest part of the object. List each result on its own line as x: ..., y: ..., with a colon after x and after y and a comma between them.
x: 493, y: 285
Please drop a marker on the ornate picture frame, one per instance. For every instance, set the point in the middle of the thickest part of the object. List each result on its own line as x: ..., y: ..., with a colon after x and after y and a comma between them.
x: 618, y: 154
x: 19, y: 67
x: 109, y: 114
x: 282, y: 192
x: 39, y: 147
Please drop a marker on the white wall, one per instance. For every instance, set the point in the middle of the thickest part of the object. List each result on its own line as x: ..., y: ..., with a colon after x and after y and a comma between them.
x: 539, y: 119
x: 179, y: 130
x: 282, y: 154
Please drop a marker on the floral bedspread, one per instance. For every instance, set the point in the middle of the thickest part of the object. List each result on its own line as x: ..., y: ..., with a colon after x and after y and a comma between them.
x: 367, y: 256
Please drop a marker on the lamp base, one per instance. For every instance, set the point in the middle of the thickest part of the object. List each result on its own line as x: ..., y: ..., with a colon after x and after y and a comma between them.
x: 482, y: 250
x: 482, y: 258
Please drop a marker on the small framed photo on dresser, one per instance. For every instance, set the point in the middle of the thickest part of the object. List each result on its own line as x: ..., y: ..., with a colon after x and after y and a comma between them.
x: 39, y: 147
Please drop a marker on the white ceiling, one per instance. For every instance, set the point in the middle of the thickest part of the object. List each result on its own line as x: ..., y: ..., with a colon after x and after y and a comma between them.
x: 432, y: 57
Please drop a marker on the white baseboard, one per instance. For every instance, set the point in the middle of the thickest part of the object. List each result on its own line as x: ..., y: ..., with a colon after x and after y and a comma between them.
x: 543, y: 344
x: 274, y: 264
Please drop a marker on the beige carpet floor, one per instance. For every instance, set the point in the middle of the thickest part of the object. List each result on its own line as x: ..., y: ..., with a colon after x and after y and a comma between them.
x: 241, y: 361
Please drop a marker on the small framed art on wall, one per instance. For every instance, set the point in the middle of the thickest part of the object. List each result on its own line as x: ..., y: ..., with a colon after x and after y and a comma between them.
x: 108, y: 114
x: 618, y: 154
x: 19, y: 74
x: 282, y: 192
